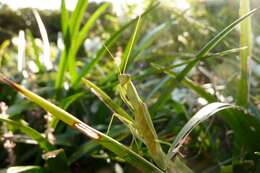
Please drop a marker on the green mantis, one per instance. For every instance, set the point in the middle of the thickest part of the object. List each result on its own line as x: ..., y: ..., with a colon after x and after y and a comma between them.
x: 143, y: 122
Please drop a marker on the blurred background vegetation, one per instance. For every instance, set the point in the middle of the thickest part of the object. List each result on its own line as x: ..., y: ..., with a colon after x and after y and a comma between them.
x: 171, y: 34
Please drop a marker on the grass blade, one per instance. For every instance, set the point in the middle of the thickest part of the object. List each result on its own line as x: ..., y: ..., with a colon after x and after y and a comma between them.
x: 188, y: 83
x: 129, y: 47
x: 202, y: 115
x: 109, y: 102
x: 245, y: 55
x: 90, y: 23
x: 43, y: 143
x: 79, y: 39
x: 46, y: 60
x: 23, y: 169
x: 64, y: 17
x: 77, y: 16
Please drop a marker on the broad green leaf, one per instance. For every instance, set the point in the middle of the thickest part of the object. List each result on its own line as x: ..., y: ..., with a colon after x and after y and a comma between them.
x: 43, y: 142
x: 245, y: 55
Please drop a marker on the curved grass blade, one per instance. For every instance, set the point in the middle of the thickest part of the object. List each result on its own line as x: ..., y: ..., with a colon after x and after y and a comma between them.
x: 90, y: 23
x: 246, y: 127
x: 202, y: 115
x: 46, y: 44
x: 77, y: 16
x: 119, y: 149
x: 188, y: 83
x: 78, y: 39
x: 66, y: 38
x: 203, y: 52
x: 43, y: 142
x: 245, y: 55
x: 64, y: 17
x: 150, y: 37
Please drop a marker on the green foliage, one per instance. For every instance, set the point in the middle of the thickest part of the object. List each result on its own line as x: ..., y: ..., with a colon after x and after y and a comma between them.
x: 131, y: 86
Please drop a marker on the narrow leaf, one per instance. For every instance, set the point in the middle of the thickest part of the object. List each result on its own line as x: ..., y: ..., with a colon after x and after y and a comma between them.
x: 245, y: 55
x: 43, y: 142
x: 202, y: 115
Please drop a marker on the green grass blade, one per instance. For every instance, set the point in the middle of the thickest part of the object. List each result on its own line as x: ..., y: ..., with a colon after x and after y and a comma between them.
x: 64, y: 17
x: 129, y: 47
x: 90, y: 23
x: 60, y: 74
x: 108, y: 101
x: 245, y: 55
x: 79, y: 39
x: 203, y: 52
x: 150, y: 37
x: 235, y: 120
x: 202, y: 115
x: 43, y: 143
x: 77, y: 16
x: 119, y: 149
x: 188, y: 83
x: 65, y: 103
x: 117, y: 132
x: 74, y: 25
x: 63, y: 59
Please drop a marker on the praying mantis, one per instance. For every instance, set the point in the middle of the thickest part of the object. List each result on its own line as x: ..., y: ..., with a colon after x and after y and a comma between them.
x: 142, y: 119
